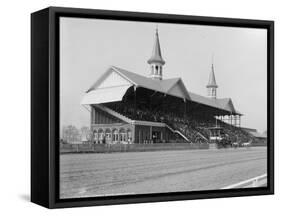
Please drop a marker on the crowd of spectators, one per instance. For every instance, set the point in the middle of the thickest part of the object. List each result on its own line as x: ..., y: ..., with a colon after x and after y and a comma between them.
x: 194, y: 127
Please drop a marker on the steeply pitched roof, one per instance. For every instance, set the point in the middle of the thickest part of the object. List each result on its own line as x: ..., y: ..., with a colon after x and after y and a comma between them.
x: 165, y: 86
x: 212, y: 79
x: 156, y: 56
x: 158, y: 85
x: 227, y: 103
x: 222, y: 103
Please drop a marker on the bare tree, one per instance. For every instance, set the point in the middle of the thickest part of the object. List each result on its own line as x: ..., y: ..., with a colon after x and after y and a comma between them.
x: 71, y: 134
x: 85, y: 133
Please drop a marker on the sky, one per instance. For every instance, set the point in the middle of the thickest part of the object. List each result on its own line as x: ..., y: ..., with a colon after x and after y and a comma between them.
x: 88, y: 47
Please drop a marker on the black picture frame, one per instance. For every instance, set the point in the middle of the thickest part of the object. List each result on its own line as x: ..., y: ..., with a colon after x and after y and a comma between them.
x: 45, y: 106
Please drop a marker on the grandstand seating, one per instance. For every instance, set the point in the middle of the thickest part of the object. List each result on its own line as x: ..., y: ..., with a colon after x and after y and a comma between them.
x: 194, y: 127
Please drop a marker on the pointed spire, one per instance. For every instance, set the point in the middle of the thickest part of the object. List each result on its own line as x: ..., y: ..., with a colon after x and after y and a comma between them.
x: 156, y: 53
x: 212, y: 80
x: 212, y: 85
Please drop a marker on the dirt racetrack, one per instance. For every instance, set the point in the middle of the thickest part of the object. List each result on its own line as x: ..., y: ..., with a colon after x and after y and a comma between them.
x: 89, y: 175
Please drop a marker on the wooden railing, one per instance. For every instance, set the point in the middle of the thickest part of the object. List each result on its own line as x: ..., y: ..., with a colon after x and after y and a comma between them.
x: 178, y: 132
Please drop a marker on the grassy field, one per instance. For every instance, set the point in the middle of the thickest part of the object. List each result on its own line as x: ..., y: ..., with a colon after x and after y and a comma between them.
x: 88, y: 175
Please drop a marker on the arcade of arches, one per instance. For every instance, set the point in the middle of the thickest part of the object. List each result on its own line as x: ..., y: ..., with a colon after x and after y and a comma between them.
x: 121, y: 135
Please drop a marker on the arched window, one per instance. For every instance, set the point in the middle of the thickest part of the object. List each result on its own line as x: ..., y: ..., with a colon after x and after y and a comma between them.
x: 115, y: 135
x: 108, y: 135
x: 123, y: 137
x: 156, y: 69
x: 95, y: 135
x: 101, y: 134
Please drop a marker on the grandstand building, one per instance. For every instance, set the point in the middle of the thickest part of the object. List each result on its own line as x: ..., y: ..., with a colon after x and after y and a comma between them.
x: 126, y: 108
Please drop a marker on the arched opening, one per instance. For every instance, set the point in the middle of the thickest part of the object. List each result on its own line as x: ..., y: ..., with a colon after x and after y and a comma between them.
x: 115, y: 136
x: 129, y: 136
x: 107, y: 135
x: 213, y: 92
x: 100, y: 135
x: 123, y: 135
x: 95, y: 136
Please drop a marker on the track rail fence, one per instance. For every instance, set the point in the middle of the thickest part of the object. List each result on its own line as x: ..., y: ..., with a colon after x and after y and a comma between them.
x: 253, y: 182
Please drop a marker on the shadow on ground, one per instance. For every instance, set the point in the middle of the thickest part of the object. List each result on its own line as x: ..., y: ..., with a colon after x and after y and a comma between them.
x: 25, y: 197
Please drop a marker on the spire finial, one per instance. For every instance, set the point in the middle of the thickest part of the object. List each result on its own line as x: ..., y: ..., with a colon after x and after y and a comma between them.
x: 156, y: 56
x: 213, y: 62
x: 156, y: 61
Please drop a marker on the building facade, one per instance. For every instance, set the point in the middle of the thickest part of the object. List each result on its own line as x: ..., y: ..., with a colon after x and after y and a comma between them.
x: 112, y: 128
x: 116, y: 85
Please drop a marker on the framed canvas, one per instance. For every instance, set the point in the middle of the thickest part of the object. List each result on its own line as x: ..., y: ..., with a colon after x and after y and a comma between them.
x: 134, y: 107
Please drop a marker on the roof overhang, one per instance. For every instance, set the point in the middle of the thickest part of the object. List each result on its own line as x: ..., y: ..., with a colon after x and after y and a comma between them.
x: 119, y: 80
x: 105, y: 95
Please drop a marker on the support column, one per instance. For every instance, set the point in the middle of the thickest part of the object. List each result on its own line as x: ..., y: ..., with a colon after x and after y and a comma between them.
x: 184, y: 113
x: 163, y: 103
x: 135, y: 101
x: 150, y: 133
x: 239, y: 121
x: 133, y: 134
x: 93, y: 117
x: 140, y: 141
x: 216, y: 121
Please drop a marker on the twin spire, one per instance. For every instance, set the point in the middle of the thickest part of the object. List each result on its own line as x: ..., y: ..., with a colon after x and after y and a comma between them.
x: 212, y: 84
x: 156, y: 56
x: 157, y: 62
x: 212, y: 79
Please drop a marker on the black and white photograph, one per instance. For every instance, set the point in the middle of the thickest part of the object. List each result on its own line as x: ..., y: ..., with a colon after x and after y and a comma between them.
x: 152, y: 107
